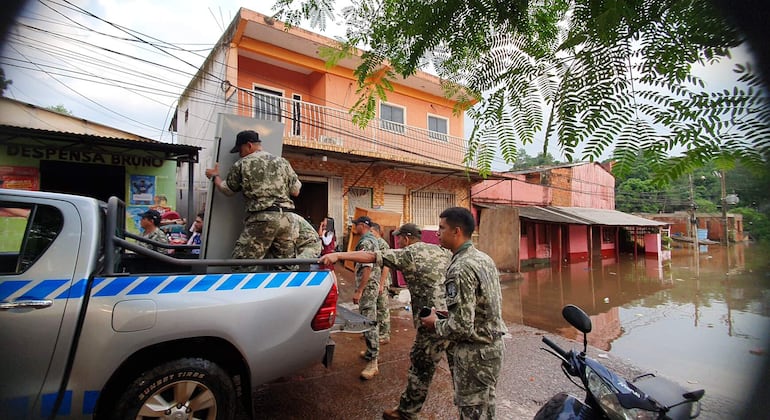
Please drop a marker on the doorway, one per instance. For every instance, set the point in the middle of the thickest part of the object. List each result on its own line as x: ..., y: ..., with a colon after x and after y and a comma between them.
x: 312, y: 202
x: 91, y: 180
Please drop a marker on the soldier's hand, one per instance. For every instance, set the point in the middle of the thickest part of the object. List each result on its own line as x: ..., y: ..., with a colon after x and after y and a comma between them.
x: 429, y: 322
x: 210, y: 173
x: 357, y: 297
x: 328, y: 259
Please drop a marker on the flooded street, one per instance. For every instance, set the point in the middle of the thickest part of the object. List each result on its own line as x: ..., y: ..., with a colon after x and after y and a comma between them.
x: 700, y: 320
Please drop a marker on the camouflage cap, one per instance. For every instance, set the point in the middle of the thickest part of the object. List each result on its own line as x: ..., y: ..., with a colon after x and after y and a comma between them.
x: 245, y: 136
x: 362, y: 219
x: 408, y: 229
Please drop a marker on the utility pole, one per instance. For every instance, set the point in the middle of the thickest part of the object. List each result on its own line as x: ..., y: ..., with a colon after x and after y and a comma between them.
x: 724, y: 206
x: 693, y: 222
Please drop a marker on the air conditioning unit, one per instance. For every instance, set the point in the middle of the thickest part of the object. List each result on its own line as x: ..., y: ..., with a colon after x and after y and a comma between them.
x: 336, y: 141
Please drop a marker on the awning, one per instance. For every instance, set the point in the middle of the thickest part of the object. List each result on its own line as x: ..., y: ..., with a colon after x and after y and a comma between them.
x: 545, y: 214
x: 606, y: 217
x: 578, y: 215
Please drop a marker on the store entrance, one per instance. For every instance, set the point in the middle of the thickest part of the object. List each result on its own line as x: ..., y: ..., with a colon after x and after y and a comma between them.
x: 92, y: 180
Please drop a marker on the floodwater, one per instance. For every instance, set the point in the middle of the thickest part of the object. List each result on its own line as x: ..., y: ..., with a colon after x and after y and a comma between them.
x: 701, y: 319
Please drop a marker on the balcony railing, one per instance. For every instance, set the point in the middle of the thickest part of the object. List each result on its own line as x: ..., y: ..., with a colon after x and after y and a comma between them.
x: 320, y: 127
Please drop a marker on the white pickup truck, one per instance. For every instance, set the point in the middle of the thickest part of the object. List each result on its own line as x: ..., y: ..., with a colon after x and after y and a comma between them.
x: 89, y: 330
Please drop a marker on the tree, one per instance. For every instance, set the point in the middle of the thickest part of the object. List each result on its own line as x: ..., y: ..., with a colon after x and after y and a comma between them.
x: 591, y: 76
x: 524, y: 160
x: 60, y: 109
x: 4, y: 83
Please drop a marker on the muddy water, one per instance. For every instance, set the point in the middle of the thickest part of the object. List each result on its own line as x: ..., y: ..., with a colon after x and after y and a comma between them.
x: 702, y: 319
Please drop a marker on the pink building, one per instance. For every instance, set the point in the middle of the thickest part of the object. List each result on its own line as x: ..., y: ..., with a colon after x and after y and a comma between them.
x: 564, y: 213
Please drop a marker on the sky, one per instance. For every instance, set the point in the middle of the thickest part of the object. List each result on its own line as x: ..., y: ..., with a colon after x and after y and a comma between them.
x: 124, y: 63
x: 96, y: 58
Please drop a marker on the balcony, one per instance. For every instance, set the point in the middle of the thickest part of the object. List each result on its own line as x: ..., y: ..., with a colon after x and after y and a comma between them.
x: 323, y: 128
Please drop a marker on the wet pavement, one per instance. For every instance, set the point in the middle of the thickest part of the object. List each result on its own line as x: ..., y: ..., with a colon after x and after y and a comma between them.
x: 530, y: 376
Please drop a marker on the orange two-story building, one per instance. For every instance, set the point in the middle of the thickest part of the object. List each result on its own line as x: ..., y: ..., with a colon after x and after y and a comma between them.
x: 408, y: 159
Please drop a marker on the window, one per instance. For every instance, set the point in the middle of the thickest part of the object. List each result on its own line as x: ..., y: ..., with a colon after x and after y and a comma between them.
x: 608, y: 235
x: 438, y: 128
x: 267, y: 104
x: 391, y: 118
x: 358, y: 197
x: 25, y: 233
x: 426, y: 206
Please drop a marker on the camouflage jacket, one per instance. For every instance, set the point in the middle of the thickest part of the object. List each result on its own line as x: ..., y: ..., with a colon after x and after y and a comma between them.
x: 157, y: 235
x: 368, y: 242
x: 423, y: 266
x: 308, y: 244
x: 265, y: 180
x: 473, y: 298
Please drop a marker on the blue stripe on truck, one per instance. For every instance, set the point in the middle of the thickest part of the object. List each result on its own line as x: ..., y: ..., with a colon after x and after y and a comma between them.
x: 160, y: 284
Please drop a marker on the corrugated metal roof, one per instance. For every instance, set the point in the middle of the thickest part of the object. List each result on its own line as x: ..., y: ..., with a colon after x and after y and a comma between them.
x: 9, y: 131
x: 607, y: 217
x: 546, y: 215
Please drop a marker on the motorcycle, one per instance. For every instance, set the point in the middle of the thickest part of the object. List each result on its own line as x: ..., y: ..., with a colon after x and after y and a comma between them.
x: 609, y: 396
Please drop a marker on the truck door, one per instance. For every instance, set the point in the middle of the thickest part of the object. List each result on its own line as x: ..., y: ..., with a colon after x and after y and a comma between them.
x: 39, y: 244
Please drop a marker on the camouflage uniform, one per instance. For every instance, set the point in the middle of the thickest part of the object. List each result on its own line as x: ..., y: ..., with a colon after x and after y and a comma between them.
x: 157, y: 235
x: 423, y: 266
x: 308, y: 244
x: 266, y: 181
x: 383, y: 309
x: 367, y: 305
x: 474, y: 329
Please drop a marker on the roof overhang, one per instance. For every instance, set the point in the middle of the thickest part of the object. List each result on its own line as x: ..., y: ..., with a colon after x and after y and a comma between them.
x: 606, y: 217
x: 88, y: 142
x: 580, y: 216
x: 459, y: 171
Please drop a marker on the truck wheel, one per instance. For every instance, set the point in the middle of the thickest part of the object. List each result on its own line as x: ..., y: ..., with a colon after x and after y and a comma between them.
x: 181, y: 389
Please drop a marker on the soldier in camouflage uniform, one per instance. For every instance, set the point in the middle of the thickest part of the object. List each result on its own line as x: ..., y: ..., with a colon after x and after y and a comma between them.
x: 423, y: 266
x: 474, y: 325
x: 367, y: 288
x: 308, y: 244
x: 150, y: 223
x: 267, y: 182
x: 383, y: 307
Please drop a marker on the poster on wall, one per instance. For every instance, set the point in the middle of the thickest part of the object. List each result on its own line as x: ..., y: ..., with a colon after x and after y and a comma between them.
x: 142, y: 190
x: 20, y: 178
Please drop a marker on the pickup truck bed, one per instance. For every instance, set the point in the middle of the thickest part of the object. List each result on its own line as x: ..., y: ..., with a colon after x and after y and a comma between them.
x: 89, y: 330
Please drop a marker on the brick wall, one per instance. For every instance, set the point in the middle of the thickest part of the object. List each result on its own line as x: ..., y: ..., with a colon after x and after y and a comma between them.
x: 377, y: 176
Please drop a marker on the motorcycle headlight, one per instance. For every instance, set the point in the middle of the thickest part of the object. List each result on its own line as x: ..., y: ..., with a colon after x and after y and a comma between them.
x: 605, y: 395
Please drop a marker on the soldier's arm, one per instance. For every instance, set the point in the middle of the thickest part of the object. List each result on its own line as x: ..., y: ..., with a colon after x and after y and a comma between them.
x: 363, y: 257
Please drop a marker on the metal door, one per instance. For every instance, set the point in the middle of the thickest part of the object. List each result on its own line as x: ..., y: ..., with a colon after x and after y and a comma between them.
x: 39, y: 251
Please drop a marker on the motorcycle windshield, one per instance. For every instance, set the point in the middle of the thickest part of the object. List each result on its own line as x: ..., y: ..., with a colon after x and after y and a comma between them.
x: 628, y: 395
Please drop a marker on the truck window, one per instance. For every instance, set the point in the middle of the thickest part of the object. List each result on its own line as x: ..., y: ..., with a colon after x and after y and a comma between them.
x: 26, y: 231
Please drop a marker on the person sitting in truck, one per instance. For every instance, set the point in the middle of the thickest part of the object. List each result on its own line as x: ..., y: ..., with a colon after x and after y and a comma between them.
x: 267, y: 182
x: 150, y: 224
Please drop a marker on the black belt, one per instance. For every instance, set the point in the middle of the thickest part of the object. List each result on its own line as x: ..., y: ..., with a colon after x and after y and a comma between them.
x: 276, y: 208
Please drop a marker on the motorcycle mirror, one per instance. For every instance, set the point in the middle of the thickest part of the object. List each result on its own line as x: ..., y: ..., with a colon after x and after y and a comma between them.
x: 577, y: 318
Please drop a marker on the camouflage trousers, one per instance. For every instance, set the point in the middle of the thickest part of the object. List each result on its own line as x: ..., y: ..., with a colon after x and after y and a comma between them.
x: 383, y: 315
x: 266, y: 231
x: 475, y: 368
x: 367, y: 306
x: 425, y: 355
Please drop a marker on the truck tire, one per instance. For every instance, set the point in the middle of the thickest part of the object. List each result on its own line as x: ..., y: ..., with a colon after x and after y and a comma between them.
x: 185, y: 389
